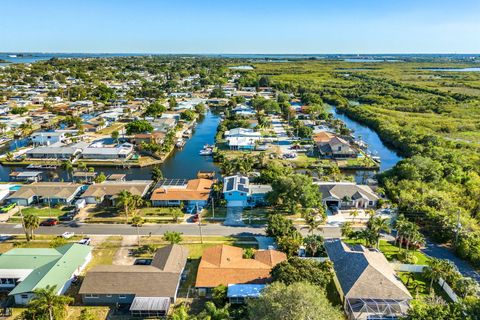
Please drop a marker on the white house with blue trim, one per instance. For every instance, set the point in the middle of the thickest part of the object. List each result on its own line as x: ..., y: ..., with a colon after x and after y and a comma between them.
x: 239, y: 192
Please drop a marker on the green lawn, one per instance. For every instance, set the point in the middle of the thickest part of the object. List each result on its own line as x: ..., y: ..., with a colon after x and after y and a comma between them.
x: 220, y: 213
x: 105, y: 252
x: 390, y: 251
x: 44, y: 211
x: 419, y: 286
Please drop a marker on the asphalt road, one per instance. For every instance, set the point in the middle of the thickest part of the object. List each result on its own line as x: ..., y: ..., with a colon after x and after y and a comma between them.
x: 441, y: 252
x: 186, y: 229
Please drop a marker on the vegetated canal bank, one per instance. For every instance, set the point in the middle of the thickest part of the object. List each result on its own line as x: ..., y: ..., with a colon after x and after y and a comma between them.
x: 182, y: 164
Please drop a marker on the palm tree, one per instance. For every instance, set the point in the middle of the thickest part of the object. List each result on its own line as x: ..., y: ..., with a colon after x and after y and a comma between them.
x: 347, y: 230
x: 466, y: 287
x: 47, y: 304
x: 9, y: 156
x: 138, y: 221
x: 3, y: 127
x: 312, y: 223
x: 354, y: 214
x: 68, y: 167
x: 173, y: 237
x: 180, y: 313
x: 313, y: 243
x: 434, y: 271
x: 376, y: 225
x: 30, y: 223
x: 157, y: 174
x: 124, y: 200
x: 213, y: 313
x: 400, y: 225
x: 136, y: 202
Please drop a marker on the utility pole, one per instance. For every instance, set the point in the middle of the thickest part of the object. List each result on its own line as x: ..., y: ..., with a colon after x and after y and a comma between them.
x: 457, y: 229
x: 199, y: 224
x: 213, y: 208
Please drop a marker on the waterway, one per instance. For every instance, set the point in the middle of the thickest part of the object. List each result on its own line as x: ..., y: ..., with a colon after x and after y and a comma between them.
x: 375, y: 145
x: 182, y: 164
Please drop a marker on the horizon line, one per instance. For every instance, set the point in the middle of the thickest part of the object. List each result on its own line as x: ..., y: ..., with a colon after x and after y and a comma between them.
x: 233, y: 53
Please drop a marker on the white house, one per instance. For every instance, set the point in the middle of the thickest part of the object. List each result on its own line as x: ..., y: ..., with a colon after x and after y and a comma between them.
x: 46, y: 138
x: 347, y: 195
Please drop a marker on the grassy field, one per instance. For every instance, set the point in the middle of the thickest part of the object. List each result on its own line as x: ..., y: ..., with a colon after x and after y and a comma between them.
x: 73, y: 312
x: 390, y: 251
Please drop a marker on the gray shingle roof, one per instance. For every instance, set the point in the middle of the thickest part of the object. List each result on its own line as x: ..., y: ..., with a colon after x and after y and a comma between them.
x: 364, y: 273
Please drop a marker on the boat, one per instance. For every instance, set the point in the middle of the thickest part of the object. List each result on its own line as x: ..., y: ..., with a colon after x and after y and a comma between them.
x: 41, y: 166
x: 12, y: 55
x: 187, y: 133
x: 376, y: 159
x: 207, y: 150
x: 180, y: 143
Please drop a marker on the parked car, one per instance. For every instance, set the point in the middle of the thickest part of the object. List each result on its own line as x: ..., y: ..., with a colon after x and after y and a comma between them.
x: 67, y: 234
x: 8, y: 207
x: 67, y: 216
x: 49, y: 222
x: 85, y: 241
x: 195, y: 218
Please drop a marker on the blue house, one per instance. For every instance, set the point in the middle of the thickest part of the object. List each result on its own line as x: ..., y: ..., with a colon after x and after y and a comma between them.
x: 239, y: 192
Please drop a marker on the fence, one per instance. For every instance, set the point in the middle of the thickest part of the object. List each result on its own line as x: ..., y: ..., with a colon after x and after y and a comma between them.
x: 419, y: 268
x: 408, y: 267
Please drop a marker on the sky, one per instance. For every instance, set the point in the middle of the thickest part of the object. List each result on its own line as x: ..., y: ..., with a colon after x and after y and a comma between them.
x: 240, y: 26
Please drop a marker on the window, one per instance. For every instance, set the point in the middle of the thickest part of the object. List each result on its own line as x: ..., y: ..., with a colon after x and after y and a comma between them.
x: 91, y: 296
x: 24, y: 296
x: 3, y: 281
x: 340, y: 148
x: 122, y: 296
x: 370, y: 203
x: 108, y: 295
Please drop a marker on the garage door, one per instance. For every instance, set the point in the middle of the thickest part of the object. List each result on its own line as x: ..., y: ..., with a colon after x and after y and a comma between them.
x: 235, y: 203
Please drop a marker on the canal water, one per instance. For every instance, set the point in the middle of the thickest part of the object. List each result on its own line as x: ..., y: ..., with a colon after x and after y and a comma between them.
x: 182, y: 164
x: 388, y: 157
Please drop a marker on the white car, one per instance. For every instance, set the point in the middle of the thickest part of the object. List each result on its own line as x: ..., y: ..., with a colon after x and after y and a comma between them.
x: 68, y: 235
x: 85, y: 241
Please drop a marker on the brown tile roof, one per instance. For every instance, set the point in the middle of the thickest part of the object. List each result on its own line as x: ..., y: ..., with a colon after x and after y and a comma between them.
x: 196, y: 189
x: 225, y: 265
x: 140, y: 280
x: 323, y: 137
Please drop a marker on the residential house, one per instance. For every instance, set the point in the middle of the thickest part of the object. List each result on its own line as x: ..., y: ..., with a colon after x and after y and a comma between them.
x: 24, y: 270
x: 239, y: 192
x: 242, y: 139
x: 106, y: 192
x: 347, y: 195
x: 225, y: 265
x: 99, y: 151
x: 164, y: 124
x: 154, y: 137
x: 367, y: 283
x: 330, y: 145
x: 148, y: 289
x: 173, y: 192
x: 57, y: 151
x: 45, y: 192
x: 46, y: 138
